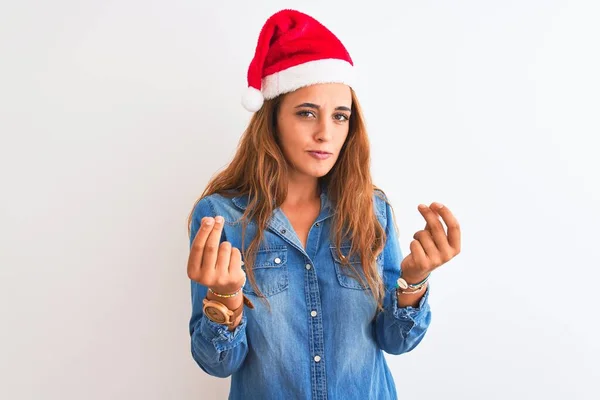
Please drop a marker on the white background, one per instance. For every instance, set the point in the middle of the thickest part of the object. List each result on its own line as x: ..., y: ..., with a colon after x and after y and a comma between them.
x: 114, y: 115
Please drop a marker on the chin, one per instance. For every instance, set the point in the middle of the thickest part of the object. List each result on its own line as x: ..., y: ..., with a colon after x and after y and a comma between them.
x: 316, y: 173
x: 314, y: 169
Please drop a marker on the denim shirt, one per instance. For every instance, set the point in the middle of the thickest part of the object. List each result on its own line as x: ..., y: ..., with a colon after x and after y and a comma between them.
x: 322, y: 339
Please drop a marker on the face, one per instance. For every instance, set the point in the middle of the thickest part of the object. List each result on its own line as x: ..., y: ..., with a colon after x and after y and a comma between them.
x: 312, y: 126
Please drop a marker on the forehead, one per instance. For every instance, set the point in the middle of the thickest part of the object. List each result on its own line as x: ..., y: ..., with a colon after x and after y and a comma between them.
x: 323, y: 94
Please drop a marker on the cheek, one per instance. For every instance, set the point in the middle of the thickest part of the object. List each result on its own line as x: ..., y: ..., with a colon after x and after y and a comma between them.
x: 293, y: 137
x: 343, y: 136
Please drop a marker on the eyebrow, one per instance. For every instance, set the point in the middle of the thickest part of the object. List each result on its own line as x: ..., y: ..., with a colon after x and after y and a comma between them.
x: 316, y: 106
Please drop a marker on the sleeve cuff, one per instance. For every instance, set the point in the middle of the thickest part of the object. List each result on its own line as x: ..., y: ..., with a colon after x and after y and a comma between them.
x: 410, y: 313
x: 220, y: 335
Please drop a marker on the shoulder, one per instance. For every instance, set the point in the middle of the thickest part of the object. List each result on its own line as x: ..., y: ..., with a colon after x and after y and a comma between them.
x: 380, y: 202
x: 229, y: 205
x: 213, y: 204
x: 203, y: 207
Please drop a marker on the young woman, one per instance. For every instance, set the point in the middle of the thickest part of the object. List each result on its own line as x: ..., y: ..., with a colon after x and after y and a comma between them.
x: 295, y: 230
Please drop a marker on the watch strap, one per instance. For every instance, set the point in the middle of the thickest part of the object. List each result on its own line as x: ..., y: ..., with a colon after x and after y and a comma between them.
x: 238, y: 311
x: 247, y: 302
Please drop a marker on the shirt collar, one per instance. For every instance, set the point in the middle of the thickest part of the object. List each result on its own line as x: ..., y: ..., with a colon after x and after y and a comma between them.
x: 326, y: 206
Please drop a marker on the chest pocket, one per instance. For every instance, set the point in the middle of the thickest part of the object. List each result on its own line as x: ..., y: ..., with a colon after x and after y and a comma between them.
x: 270, y: 270
x: 347, y: 274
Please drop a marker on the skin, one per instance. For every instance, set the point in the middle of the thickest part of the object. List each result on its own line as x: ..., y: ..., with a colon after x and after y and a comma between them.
x: 316, y: 118
x: 431, y: 248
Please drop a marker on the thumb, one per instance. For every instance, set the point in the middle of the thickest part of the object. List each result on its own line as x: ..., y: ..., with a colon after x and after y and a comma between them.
x: 407, y: 262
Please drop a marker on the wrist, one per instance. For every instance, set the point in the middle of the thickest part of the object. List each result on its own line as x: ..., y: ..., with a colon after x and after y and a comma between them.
x: 230, y: 302
x: 237, y: 321
x: 228, y: 291
x: 412, y: 279
x: 404, y: 292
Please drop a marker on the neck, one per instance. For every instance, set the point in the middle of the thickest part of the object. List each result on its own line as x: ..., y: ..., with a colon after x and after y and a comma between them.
x: 303, y: 192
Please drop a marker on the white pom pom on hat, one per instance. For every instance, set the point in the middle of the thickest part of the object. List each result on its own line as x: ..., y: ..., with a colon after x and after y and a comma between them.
x: 253, y: 99
x: 294, y: 50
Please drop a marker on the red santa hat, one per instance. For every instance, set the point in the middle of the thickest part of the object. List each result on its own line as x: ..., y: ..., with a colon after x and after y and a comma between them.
x: 294, y: 50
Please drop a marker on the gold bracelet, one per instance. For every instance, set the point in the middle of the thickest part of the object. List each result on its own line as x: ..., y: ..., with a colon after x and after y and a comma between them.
x: 228, y: 295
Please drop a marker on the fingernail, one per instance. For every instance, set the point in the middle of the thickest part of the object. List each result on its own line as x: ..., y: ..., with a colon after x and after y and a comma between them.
x: 208, y: 221
x: 219, y: 219
x: 422, y: 206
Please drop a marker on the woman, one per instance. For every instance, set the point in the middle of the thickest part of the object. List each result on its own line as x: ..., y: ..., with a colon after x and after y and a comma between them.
x: 295, y: 230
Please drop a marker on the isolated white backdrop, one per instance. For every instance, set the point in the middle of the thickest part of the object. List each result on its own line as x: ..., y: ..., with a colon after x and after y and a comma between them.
x: 114, y: 115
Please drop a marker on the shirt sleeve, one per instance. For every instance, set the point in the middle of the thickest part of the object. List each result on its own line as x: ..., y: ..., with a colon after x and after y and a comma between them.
x: 218, y: 351
x: 398, y: 329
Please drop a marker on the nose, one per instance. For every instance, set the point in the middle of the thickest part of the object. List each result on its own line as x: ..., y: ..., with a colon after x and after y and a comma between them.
x: 324, y: 130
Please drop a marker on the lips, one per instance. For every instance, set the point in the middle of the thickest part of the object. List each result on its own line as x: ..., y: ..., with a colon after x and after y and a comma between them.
x: 319, y: 155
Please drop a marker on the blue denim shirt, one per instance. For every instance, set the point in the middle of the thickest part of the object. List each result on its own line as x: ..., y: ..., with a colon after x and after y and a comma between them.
x: 321, y: 340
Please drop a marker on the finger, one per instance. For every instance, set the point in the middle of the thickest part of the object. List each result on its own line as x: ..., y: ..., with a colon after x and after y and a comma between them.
x: 453, y: 226
x: 235, y: 266
x: 427, y: 225
x: 211, y: 248
x: 197, y: 249
x: 407, y: 263
x: 428, y: 245
x: 432, y: 218
x: 235, y: 262
x: 435, y: 227
x: 441, y: 241
x: 419, y: 257
x: 222, y: 265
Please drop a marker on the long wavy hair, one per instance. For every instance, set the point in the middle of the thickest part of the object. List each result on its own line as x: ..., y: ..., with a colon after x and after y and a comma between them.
x: 260, y: 170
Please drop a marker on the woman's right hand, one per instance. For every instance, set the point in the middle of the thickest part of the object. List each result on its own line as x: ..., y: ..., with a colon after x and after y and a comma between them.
x: 214, y: 265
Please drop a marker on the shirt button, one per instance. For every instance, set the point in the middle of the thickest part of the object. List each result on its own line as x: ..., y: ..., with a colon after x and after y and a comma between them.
x: 277, y: 260
x: 317, y: 224
x: 317, y: 358
x: 307, y: 266
x: 283, y: 231
x: 313, y: 313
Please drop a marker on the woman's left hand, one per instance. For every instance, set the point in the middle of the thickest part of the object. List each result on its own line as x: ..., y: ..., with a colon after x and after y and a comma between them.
x: 431, y: 247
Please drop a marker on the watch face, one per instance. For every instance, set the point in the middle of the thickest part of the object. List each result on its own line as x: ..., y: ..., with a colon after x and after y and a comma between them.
x: 215, y: 315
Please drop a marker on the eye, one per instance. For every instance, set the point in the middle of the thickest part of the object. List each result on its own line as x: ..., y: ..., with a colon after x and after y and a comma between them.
x: 343, y: 118
x: 305, y: 113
